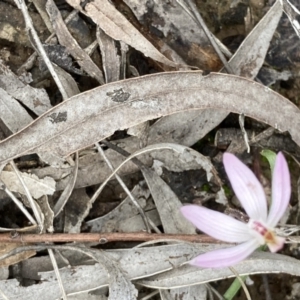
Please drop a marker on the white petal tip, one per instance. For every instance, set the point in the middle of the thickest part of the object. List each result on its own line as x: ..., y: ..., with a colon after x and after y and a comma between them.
x: 277, y: 245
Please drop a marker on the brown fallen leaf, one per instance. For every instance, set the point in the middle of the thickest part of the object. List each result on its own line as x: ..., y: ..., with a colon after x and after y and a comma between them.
x: 114, y: 24
x: 171, y: 20
x: 7, y: 247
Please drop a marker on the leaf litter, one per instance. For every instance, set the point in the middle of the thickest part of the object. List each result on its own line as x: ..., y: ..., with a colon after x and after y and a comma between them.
x: 185, y: 106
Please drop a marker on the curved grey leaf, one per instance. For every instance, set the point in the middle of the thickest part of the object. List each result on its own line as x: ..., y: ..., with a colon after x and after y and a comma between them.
x: 250, y: 55
x: 12, y: 115
x: 35, y: 99
x: 259, y: 262
x: 167, y: 204
x: 138, y: 263
x: 92, y: 116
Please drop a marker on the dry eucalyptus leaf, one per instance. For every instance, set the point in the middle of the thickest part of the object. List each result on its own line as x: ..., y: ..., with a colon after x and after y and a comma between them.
x: 65, y: 195
x: 136, y: 223
x: 250, y: 55
x: 56, y: 162
x: 172, y: 21
x: 293, y: 14
x: 83, y: 119
x: 14, y: 118
x: 87, y: 296
x: 7, y: 247
x: 76, y: 209
x: 67, y: 81
x: 259, y: 262
x: 168, y: 205
x: 47, y: 213
x: 31, y: 228
x: 36, y: 100
x: 4, y: 273
x: 183, y: 128
x: 13, y: 115
x: 40, y: 6
x: 110, y: 57
x: 37, y: 187
x: 66, y: 39
x: 144, y: 262
x: 86, y: 278
x: 114, y: 24
x: 120, y: 286
x: 138, y: 263
x: 183, y: 158
x: 31, y: 267
x: 247, y: 61
x: 125, y: 217
x: 92, y: 169
x: 140, y: 130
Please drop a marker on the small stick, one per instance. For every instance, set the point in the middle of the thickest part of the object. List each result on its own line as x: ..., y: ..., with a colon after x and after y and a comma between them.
x: 102, y: 238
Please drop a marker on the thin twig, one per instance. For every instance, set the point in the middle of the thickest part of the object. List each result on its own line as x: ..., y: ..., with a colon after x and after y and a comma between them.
x: 103, y: 238
x: 223, y: 48
x: 209, y: 36
x: 30, y: 61
x: 32, y: 203
x: 266, y: 286
x: 213, y: 290
x: 120, y: 150
x: 123, y: 185
x: 131, y: 157
x: 36, y: 43
x: 164, y: 241
x: 244, y: 132
x: 17, y: 202
x: 247, y: 294
x: 55, y: 267
x: 65, y: 195
x: 3, y: 295
x: 38, y: 217
x: 149, y: 296
x: 91, y: 48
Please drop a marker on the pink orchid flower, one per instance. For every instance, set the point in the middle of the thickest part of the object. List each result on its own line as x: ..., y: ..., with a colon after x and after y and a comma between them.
x: 260, y: 228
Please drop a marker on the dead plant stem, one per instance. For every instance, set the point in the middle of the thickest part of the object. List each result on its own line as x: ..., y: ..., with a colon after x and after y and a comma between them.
x: 102, y: 238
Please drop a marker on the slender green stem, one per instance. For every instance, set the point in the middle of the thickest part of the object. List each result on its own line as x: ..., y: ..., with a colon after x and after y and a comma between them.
x: 234, y: 288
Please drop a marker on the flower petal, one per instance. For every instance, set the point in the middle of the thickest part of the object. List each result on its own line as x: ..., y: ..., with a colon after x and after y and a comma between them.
x: 281, y: 190
x: 225, y: 257
x: 216, y: 224
x: 277, y: 245
x: 246, y: 187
